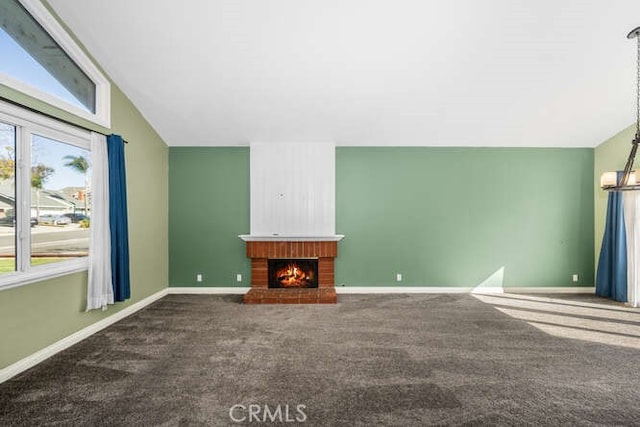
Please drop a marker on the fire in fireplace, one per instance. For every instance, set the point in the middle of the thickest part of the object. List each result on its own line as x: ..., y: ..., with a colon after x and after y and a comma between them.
x: 293, y: 273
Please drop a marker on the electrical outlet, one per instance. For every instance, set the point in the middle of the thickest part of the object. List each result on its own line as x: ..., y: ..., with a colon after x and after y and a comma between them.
x: 398, y: 277
x: 199, y: 277
x: 238, y: 277
x: 574, y: 278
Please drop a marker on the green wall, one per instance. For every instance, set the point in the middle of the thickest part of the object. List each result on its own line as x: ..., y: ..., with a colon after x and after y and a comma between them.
x: 457, y: 216
x: 208, y: 209
x: 36, y: 315
x: 439, y: 216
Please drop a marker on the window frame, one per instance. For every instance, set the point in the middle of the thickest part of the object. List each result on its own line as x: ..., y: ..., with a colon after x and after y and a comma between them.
x: 28, y: 123
x: 102, y: 116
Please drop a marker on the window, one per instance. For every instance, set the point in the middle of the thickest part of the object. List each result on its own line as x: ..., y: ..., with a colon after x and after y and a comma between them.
x: 7, y: 198
x: 60, y: 207
x: 45, y: 197
x: 45, y: 63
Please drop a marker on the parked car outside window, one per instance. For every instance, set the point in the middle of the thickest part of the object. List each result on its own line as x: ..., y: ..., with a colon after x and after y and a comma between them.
x: 10, y: 221
x: 75, y: 217
x: 54, y: 220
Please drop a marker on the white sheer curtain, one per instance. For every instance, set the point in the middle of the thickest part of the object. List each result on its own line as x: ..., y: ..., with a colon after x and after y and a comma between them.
x: 631, y: 204
x: 99, y: 289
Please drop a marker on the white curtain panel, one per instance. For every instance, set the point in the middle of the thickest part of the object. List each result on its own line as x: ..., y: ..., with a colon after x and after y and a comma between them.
x: 631, y: 204
x: 99, y: 288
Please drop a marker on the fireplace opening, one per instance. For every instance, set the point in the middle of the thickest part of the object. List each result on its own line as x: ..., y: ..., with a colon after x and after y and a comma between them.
x: 293, y: 273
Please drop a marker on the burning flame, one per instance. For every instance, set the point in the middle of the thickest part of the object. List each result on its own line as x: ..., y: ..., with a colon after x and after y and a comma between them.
x: 292, y: 276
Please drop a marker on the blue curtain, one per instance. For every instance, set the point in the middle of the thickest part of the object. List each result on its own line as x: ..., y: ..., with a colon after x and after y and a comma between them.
x: 118, y: 219
x: 611, y: 278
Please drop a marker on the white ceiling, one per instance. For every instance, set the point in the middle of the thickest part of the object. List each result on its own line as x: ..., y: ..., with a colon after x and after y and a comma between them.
x: 553, y: 73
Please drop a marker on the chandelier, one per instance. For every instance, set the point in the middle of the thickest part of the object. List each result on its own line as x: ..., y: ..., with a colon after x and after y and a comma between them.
x: 609, y: 180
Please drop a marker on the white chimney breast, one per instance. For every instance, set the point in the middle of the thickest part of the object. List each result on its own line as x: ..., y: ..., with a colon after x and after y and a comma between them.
x: 292, y: 189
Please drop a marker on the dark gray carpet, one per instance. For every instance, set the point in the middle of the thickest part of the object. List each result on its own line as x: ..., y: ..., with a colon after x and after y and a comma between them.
x: 370, y: 360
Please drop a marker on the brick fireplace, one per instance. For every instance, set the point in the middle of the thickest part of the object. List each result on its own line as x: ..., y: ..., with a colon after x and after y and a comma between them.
x: 262, y: 250
x: 292, y: 225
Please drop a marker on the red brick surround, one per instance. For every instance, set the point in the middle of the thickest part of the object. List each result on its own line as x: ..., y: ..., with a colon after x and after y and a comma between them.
x: 261, y: 252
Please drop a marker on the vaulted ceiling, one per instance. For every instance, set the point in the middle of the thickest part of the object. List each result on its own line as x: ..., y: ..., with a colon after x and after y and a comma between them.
x: 553, y: 73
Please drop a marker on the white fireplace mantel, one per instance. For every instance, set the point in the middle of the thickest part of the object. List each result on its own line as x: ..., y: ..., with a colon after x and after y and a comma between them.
x: 290, y: 238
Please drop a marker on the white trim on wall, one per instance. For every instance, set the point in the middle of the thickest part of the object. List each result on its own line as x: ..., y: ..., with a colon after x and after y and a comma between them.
x: 237, y: 290
x: 462, y: 290
x: 230, y: 290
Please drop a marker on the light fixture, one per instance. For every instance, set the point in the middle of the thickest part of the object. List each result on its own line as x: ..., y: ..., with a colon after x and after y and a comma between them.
x: 609, y: 180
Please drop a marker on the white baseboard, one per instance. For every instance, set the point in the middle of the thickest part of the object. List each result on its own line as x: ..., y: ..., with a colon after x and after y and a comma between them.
x: 462, y: 290
x: 230, y: 290
x: 402, y: 290
x: 550, y: 290
x: 41, y: 355
x: 235, y: 290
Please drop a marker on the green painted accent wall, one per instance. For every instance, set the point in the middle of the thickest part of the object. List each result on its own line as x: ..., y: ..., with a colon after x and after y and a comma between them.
x: 36, y: 315
x: 611, y: 155
x: 464, y: 216
x: 439, y: 216
x: 208, y: 209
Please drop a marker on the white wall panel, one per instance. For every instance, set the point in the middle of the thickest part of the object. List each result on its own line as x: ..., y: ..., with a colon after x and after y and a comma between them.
x: 293, y: 189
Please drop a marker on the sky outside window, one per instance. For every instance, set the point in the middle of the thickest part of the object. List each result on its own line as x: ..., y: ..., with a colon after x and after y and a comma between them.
x: 54, y: 154
x: 17, y: 63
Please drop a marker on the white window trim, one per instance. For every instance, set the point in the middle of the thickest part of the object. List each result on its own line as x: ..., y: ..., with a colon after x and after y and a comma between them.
x: 28, y: 124
x: 102, y: 115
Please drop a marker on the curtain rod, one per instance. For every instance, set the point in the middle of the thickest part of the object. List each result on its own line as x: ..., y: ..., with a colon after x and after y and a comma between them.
x: 51, y: 116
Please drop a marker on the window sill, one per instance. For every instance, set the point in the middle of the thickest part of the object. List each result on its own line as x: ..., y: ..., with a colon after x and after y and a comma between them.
x: 43, y: 272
